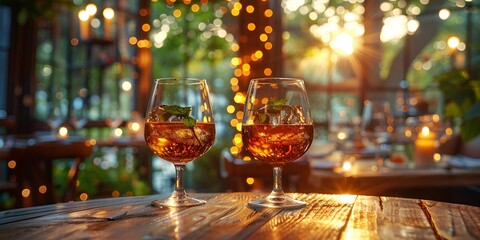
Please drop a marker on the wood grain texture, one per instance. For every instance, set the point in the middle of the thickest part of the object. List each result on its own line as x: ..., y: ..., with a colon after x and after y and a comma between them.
x: 453, y: 220
x: 228, y: 216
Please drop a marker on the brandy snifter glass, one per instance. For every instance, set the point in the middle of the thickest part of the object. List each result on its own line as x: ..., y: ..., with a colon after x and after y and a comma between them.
x: 277, y: 129
x: 179, y: 128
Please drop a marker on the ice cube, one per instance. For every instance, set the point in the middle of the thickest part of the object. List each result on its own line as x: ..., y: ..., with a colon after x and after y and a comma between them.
x: 297, y: 115
x: 183, y: 133
x: 159, y: 114
x: 275, y: 115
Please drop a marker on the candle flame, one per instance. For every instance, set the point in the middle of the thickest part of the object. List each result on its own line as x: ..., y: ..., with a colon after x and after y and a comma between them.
x: 63, y: 132
x: 91, y: 9
x: 425, y: 131
x: 108, y: 13
x: 83, y: 15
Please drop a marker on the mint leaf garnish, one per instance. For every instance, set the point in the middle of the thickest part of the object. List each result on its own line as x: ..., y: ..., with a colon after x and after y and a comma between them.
x: 181, y: 113
x: 178, y: 111
x: 189, y: 122
x: 278, y: 103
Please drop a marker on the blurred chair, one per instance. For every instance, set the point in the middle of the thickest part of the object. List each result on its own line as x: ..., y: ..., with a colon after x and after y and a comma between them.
x: 33, y: 169
x: 236, y: 171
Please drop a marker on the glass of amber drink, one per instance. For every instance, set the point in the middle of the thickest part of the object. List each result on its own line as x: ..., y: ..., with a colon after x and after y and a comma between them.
x: 179, y: 128
x: 277, y: 129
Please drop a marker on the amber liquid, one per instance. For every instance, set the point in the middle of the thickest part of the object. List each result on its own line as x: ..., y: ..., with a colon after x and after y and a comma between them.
x: 278, y: 144
x: 175, y: 142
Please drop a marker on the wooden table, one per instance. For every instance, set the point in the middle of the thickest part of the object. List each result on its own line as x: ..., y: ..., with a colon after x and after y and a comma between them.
x: 227, y: 216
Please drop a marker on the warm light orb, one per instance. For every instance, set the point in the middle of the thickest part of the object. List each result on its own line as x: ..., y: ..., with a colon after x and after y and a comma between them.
x: 63, y: 132
x: 444, y: 14
x: 117, y: 132
x: 236, y: 61
x: 42, y: 189
x: 342, y: 136
x: 83, y: 197
x: 91, y: 9
x: 25, y: 192
x: 412, y: 26
x: 343, y: 44
x: 83, y: 15
x: 115, y: 194
x: 453, y: 42
x: 231, y: 109
x: 108, y: 13
x: 449, y: 131
x: 126, y: 86
x: 12, y: 164
x: 347, y: 166
x: 135, y: 126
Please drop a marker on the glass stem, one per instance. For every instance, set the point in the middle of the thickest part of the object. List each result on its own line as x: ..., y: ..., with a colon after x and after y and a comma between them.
x: 277, y: 194
x: 179, y: 191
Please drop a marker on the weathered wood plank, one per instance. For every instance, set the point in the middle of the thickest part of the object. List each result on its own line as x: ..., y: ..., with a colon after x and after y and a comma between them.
x: 194, y: 222
x: 387, y: 218
x: 21, y: 214
x: 324, y: 217
x: 362, y: 223
x: 93, y: 223
x: 61, y: 223
x: 231, y: 223
x: 407, y: 213
x: 453, y: 220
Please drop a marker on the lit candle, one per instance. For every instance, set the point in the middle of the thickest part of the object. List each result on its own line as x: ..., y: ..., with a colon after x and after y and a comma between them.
x: 84, y: 17
x: 425, y: 147
x: 108, y: 14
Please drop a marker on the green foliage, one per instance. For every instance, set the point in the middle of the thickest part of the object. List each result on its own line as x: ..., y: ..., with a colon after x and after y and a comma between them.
x: 462, y: 100
x: 97, y: 179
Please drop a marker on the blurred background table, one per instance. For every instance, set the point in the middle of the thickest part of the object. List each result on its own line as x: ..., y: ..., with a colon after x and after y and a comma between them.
x: 227, y: 216
x: 444, y: 180
x: 362, y: 179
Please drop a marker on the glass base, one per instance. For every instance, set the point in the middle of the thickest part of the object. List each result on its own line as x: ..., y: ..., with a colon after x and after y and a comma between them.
x: 277, y: 202
x: 178, y: 202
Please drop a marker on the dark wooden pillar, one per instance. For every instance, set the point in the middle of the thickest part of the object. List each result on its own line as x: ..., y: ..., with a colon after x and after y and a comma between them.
x: 144, y: 61
x: 21, y: 73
